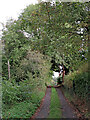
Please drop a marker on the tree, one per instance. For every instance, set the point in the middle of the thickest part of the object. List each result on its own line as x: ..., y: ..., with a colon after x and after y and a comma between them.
x: 53, y: 29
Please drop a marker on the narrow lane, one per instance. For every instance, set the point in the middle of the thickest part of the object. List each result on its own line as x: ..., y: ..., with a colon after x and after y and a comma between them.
x: 67, y: 111
x: 44, y: 111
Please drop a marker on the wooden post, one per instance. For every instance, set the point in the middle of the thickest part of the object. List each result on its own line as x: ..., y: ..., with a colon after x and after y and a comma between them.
x: 8, y: 70
x: 63, y: 74
x: 63, y: 70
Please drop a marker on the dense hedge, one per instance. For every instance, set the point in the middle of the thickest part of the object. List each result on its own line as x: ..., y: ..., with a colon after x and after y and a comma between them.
x: 78, y: 81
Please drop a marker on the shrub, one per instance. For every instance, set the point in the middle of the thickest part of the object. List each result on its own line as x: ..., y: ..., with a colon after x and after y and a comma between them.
x: 9, y: 93
x: 80, y: 77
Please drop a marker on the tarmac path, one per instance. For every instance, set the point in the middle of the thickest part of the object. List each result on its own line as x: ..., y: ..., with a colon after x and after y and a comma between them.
x: 44, y: 109
x: 67, y: 111
x: 43, y: 112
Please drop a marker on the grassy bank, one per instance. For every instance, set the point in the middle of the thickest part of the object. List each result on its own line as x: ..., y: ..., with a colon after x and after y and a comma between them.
x: 24, y: 109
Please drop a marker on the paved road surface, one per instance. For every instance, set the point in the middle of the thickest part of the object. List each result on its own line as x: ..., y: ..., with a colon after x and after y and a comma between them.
x: 67, y: 111
x: 44, y: 111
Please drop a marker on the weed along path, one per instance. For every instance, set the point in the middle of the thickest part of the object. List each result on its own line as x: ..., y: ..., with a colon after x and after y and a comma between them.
x: 54, y: 105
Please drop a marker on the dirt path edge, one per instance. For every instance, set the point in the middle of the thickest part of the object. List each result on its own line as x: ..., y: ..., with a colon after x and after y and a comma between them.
x: 38, y: 109
x: 78, y: 113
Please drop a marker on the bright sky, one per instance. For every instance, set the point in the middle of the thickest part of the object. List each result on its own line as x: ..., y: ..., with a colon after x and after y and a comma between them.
x: 12, y: 9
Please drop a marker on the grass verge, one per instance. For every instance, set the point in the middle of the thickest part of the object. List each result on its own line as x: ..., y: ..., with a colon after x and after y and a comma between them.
x: 26, y: 108
x: 55, y: 111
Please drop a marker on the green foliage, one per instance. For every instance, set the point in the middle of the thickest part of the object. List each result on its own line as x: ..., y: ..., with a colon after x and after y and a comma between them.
x: 57, y: 36
x: 80, y: 77
x: 24, y: 109
x: 9, y: 93
x: 82, y: 84
x: 32, y: 40
x: 47, y: 34
x: 18, y: 93
x: 55, y: 111
x: 33, y: 72
x: 17, y: 97
x: 14, y: 93
x: 21, y: 110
